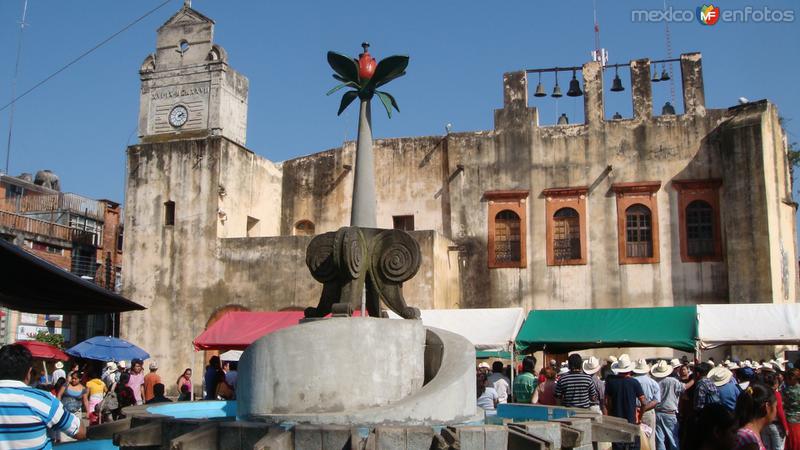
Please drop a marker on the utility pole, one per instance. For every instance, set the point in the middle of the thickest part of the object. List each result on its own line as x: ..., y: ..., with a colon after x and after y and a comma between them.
x: 14, y: 84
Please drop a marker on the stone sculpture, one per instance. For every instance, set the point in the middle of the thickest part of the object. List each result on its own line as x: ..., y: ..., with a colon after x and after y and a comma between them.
x: 352, y: 259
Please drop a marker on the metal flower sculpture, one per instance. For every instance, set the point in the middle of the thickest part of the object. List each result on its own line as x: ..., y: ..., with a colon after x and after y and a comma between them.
x: 364, y: 76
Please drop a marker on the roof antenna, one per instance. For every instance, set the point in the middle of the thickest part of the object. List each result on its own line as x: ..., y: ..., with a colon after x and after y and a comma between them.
x: 187, y: 3
x: 14, y: 83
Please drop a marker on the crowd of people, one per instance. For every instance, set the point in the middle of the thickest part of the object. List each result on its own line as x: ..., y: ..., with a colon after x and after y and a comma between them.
x: 86, y: 392
x: 741, y: 405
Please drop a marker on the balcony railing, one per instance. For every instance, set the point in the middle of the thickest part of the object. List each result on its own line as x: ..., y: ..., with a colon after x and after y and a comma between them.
x: 43, y: 228
x: 56, y: 202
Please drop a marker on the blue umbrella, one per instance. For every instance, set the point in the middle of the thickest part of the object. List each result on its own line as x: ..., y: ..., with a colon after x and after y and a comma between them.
x: 107, y: 348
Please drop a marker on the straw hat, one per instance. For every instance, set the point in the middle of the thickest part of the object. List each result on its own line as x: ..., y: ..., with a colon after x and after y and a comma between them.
x: 768, y: 366
x: 734, y: 366
x: 675, y: 363
x: 591, y: 366
x: 122, y: 365
x: 661, y: 369
x: 780, y: 364
x: 720, y: 376
x: 623, y: 364
x: 112, y: 366
x: 154, y: 365
x: 483, y: 365
x: 641, y: 367
x: 59, y: 365
x: 611, y: 359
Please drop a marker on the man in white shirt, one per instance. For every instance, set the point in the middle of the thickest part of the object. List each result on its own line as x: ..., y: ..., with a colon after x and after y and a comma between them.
x: 59, y: 372
x: 499, y: 381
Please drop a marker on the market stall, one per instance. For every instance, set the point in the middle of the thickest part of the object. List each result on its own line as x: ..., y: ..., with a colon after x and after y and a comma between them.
x: 562, y: 330
x: 752, y: 323
x: 238, y: 329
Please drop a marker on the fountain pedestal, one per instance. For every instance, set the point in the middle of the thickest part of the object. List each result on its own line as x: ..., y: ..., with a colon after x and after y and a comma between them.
x: 358, y: 371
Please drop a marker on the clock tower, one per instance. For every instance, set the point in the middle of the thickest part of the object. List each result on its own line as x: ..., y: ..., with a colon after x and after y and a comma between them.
x: 188, y: 89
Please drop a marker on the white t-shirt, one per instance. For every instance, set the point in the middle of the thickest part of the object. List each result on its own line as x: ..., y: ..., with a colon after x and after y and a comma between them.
x: 58, y: 373
x: 501, y: 384
x: 486, y: 401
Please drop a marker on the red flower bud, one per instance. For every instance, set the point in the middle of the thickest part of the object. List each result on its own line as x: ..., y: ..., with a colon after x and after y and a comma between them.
x: 366, y: 66
x: 366, y: 63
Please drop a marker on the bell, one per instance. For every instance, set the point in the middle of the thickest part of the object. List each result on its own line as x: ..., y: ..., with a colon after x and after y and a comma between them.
x: 540, y: 88
x: 563, y: 120
x: 617, y: 116
x: 556, y: 91
x: 655, y: 78
x: 540, y: 91
x: 668, y: 109
x: 574, y: 87
x: 616, y: 85
x: 664, y: 75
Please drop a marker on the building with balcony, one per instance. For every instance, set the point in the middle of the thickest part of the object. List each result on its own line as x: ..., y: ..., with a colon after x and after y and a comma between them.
x: 78, y: 234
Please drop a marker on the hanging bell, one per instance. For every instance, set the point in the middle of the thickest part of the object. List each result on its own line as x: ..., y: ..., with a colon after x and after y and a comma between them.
x: 556, y: 91
x: 655, y: 78
x: 668, y: 109
x: 664, y: 75
x: 540, y: 88
x: 540, y: 91
x: 574, y: 87
x: 617, y: 116
x: 563, y: 120
x: 616, y: 85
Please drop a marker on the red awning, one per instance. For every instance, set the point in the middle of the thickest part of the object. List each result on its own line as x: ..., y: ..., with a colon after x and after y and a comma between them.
x: 238, y: 329
x: 43, y: 350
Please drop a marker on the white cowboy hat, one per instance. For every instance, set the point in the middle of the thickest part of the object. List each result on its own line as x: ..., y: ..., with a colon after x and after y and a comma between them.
x: 591, y: 366
x: 768, y: 366
x: 675, y: 363
x: 112, y: 366
x: 720, y: 376
x: 661, y: 369
x: 483, y: 365
x: 122, y: 365
x: 780, y: 364
x: 727, y: 363
x: 734, y: 366
x: 59, y: 365
x: 612, y: 359
x: 623, y: 364
x: 641, y: 367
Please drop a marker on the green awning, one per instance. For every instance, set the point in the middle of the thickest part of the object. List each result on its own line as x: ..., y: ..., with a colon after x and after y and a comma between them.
x: 485, y: 354
x: 561, y: 330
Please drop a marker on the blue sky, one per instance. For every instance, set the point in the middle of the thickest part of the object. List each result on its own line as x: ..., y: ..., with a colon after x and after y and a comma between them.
x: 79, y: 123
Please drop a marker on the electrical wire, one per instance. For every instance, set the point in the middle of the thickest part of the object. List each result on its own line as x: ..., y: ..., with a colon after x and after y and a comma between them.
x: 83, y: 55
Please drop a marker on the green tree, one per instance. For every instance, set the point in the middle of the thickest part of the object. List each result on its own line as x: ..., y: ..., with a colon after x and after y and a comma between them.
x: 55, y: 340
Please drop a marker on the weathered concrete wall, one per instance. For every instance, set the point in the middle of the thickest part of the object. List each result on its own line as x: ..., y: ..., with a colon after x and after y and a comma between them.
x: 250, y: 187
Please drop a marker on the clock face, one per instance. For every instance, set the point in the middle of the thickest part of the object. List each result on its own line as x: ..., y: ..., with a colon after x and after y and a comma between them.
x: 178, y: 116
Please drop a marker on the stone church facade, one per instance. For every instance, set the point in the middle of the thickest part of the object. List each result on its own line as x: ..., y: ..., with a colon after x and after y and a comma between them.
x: 646, y: 211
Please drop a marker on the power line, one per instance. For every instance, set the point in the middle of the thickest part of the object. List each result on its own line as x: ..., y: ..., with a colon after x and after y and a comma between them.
x: 84, y: 54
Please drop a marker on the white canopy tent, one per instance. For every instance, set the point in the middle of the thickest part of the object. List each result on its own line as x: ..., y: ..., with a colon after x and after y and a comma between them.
x: 752, y: 323
x: 490, y: 329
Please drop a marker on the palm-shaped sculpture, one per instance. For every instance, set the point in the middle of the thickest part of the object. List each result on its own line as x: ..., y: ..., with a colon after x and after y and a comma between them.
x: 364, y: 77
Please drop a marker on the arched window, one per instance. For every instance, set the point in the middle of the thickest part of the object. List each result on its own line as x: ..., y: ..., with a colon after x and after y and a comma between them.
x: 507, y: 245
x: 638, y: 232
x: 304, y: 228
x: 566, y: 235
x: 699, y: 229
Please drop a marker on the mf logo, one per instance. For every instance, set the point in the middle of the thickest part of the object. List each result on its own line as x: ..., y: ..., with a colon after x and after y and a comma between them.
x: 708, y: 14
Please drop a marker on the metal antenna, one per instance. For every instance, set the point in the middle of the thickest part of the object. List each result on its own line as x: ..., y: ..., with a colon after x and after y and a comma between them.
x: 187, y: 3
x: 14, y: 84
